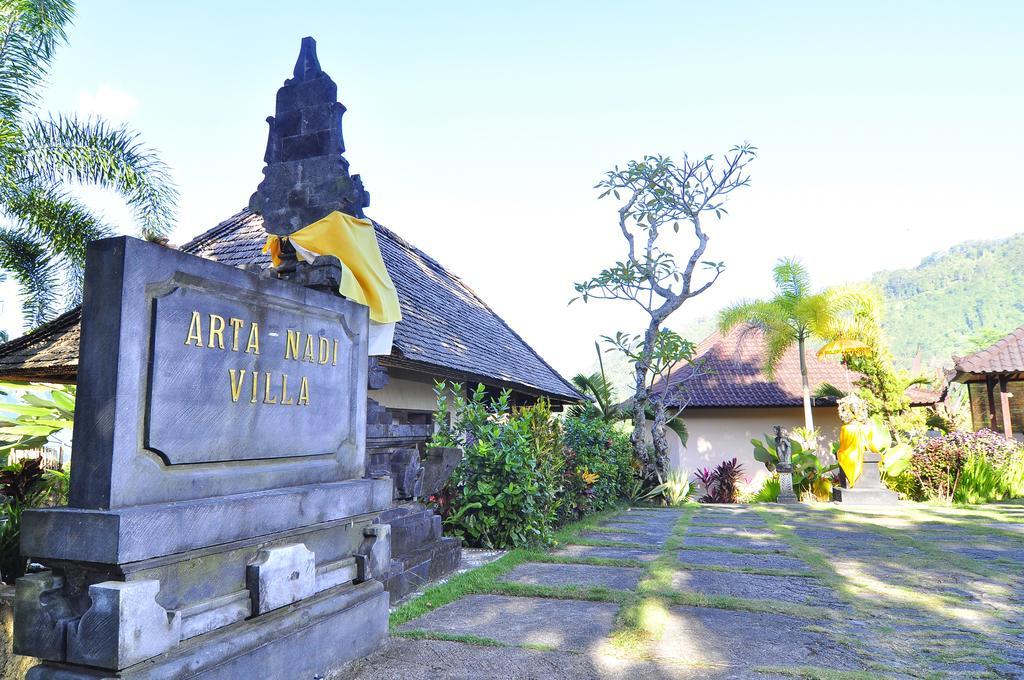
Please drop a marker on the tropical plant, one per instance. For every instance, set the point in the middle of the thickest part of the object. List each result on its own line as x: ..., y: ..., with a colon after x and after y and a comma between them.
x: 44, y: 414
x: 969, y: 467
x: 795, y: 314
x: 769, y: 491
x: 810, y: 474
x: 721, y: 485
x: 657, y: 196
x: 675, y: 490
x: 524, y: 471
x: 23, y: 485
x: 43, y: 228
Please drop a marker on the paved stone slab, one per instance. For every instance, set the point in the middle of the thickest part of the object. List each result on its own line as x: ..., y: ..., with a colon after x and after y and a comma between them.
x: 741, y: 532
x: 798, y: 589
x: 583, y: 575
x: 734, y: 543
x: 643, y: 539
x: 572, y: 625
x: 608, y: 553
x: 749, y: 640
x: 641, y: 527
x: 404, y: 659
x: 719, y: 558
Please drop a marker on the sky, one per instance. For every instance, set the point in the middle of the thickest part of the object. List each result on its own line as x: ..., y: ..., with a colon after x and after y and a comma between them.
x: 886, y: 130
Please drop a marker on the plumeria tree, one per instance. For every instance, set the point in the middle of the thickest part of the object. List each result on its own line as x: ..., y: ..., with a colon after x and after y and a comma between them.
x: 662, y: 204
x: 43, y: 228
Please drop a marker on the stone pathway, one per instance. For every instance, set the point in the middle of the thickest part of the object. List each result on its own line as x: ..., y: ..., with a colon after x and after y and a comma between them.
x: 814, y: 592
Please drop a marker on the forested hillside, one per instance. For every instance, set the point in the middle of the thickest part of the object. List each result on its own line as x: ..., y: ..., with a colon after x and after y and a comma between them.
x: 954, y: 300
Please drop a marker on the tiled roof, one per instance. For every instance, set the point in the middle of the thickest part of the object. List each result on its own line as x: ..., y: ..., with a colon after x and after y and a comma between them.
x: 49, y: 353
x: 729, y: 372
x: 446, y: 330
x: 1005, y: 356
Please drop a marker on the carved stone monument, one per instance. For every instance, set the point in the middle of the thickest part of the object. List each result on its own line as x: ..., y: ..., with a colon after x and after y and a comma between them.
x: 785, y: 467
x: 223, y: 522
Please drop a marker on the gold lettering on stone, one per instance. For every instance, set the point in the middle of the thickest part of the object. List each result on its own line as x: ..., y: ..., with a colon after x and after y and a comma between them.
x: 291, y: 347
x: 303, y: 392
x: 254, y: 339
x: 236, y: 376
x: 195, y: 330
x: 216, y: 331
x: 334, y: 361
x: 309, y: 355
x: 324, y: 350
x: 285, y: 401
x: 236, y: 325
x: 267, y: 399
x: 255, y: 382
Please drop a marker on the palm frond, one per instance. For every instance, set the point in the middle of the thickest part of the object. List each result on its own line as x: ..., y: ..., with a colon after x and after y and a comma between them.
x: 775, y: 345
x: 30, y: 32
x: 27, y: 259
x: 601, y: 391
x: 92, y: 151
x: 828, y: 390
x: 791, y: 278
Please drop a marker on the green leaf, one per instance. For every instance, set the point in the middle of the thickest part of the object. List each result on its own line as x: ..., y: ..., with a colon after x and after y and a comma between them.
x: 26, y: 410
x: 63, y: 400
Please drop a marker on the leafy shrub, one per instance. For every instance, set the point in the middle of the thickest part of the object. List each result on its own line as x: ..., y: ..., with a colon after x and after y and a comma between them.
x: 24, y: 485
x: 969, y: 467
x: 594, y: 450
x: 525, y: 471
x: 768, y: 493
x: 676, y: 489
x: 722, y: 485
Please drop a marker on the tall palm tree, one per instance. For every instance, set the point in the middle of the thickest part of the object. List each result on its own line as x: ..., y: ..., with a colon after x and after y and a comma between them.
x: 794, y: 315
x: 43, y: 228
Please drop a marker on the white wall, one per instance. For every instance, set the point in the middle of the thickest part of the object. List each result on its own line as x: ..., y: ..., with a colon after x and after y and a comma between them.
x: 414, y: 395
x: 722, y: 434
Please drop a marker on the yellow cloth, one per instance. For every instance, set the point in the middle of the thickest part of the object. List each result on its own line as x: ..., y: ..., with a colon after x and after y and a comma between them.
x: 852, y: 442
x: 353, y: 241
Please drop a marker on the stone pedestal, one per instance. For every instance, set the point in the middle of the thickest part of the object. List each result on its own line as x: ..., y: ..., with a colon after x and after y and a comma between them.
x: 419, y: 552
x: 397, y: 446
x: 869, y: 489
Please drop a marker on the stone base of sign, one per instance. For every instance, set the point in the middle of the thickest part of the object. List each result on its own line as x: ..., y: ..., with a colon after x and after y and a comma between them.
x: 310, y: 638
x: 418, y: 550
x: 129, y: 585
x: 869, y: 489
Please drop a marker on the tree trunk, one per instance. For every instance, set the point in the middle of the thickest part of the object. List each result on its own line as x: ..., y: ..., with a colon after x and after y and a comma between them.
x: 660, y: 439
x: 641, y: 395
x: 808, y: 416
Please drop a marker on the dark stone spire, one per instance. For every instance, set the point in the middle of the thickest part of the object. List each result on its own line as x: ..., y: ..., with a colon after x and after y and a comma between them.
x: 306, y: 177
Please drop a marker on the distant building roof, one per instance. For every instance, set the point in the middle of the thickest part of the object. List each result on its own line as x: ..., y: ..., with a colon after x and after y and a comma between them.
x: 729, y: 372
x: 446, y: 330
x: 1004, y: 357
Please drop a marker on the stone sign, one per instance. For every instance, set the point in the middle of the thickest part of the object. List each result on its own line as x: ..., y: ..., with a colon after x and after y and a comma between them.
x: 243, y: 371
x: 199, y: 364
x: 221, y: 522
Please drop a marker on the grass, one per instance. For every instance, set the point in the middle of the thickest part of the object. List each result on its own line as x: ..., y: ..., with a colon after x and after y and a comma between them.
x: 484, y: 580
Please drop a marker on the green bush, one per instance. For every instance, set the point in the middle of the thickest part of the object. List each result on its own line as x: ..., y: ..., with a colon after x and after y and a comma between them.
x: 769, y: 491
x: 969, y: 467
x: 593, y: 446
x: 524, y: 471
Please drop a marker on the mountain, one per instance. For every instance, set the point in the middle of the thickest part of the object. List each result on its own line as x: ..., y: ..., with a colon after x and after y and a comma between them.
x: 956, y: 301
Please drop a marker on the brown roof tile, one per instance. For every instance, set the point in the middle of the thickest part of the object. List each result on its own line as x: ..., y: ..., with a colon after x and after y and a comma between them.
x: 729, y: 372
x: 1005, y: 356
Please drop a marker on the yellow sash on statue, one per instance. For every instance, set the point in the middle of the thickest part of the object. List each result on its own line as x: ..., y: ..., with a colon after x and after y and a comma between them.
x: 852, y: 441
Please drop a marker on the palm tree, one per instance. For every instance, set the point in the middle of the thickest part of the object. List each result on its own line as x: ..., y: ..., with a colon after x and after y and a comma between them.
x: 794, y: 315
x: 43, y: 228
